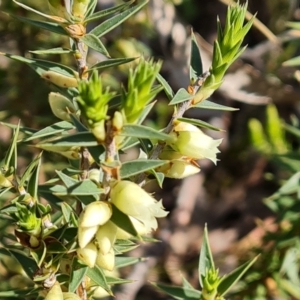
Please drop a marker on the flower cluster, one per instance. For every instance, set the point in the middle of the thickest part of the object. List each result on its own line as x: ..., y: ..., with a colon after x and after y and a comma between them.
x: 97, y: 233
x: 189, y: 143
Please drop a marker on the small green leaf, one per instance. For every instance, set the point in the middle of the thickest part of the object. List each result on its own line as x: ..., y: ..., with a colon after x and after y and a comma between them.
x: 205, y: 104
x: 77, y: 274
x: 67, y: 180
x: 124, y: 261
x: 206, y: 261
x: 32, y: 186
x: 93, y: 42
x: 230, y: 279
x: 81, y: 188
x: 114, y: 280
x: 39, y: 254
x: 199, y: 123
x: 28, y: 171
x: 10, y: 160
x: 138, y: 166
x: 115, y: 21
x: 108, y: 63
x: 90, y: 9
x: 54, y: 129
x: 122, y: 221
x: 181, y: 96
x: 160, y: 177
x: 97, y: 275
x: 19, y: 294
x: 196, y: 68
x: 58, y: 50
x: 140, y: 131
x: 53, y: 27
x: 167, y: 88
x: 122, y: 246
x: 109, y: 11
x: 81, y: 139
x: 179, y: 293
x: 67, y: 211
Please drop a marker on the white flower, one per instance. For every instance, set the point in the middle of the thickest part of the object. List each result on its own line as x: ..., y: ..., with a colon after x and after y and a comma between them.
x: 106, y: 236
x: 190, y: 141
x: 133, y: 201
x: 86, y: 234
x: 106, y: 261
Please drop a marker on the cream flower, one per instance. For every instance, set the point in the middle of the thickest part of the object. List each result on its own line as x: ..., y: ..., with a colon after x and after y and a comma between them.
x: 133, y: 201
x: 190, y: 141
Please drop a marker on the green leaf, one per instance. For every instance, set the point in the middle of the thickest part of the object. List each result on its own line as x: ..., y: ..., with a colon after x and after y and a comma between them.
x: 58, y: 50
x: 181, y: 96
x: 115, y: 21
x: 97, y: 275
x: 109, y: 11
x: 77, y: 274
x: 114, y: 280
x: 81, y: 139
x: 25, y: 130
x: 122, y: 246
x: 81, y: 188
x: 196, y: 68
x: 290, y: 287
x: 90, y: 9
x: 140, y: 131
x: 39, y: 254
x: 206, y: 261
x: 229, y: 280
x: 205, y: 104
x: 29, y: 170
x: 53, y: 27
x: 167, y: 88
x: 122, y: 220
x: 32, y: 186
x: 54, y: 18
x: 67, y: 211
x: 19, y: 294
x: 10, y: 160
x: 179, y: 293
x: 29, y: 265
x: 41, y: 66
x: 67, y: 180
x: 93, y: 42
x: 160, y: 177
x: 108, y: 63
x: 124, y: 261
x: 134, y: 167
x: 199, y: 123
x: 54, y: 129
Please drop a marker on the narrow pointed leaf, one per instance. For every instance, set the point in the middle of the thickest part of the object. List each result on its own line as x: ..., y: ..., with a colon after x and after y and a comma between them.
x: 179, y: 293
x: 114, y: 280
x: 67, y: 180
x: 199, y: 123
x: 53, y: 27
x: 51, y: 130
x: 196, y: 68
x: 140, y: 131
x: 10, y: 160
x: 29, y: 170
x: 124, y: 261
x: 77, y: 274
x: 81, y: 139
x: 206, y: 104
x: 93, y: 42
x: 115, y: 21
x: 109, y: 11
x: 91, y: 7
x: 181, y: 96
x: 102, y: 65
x: 39, y: 254
x: 138, y: 166
x: 97, y: 275
x: 167, y: 88
x: 54, y: 18
x: 58, y: 50
x: 32, y: 187
x: 229, y: 280
x: 206, y: 261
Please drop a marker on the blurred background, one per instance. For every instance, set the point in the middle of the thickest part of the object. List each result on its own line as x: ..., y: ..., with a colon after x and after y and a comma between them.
x: 238, y: 198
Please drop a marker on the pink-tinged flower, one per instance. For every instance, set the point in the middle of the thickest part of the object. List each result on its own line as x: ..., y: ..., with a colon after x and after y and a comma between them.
x: 133, y: 201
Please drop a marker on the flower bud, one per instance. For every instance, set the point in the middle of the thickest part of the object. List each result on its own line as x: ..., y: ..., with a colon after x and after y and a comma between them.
x: 95, y: 214
x: 88, y: 254
x: 190, y: 141
x: 61, y: 106
x: 106, y: 261
x: 79, y: 8
x: 100, y: 292
x: 55, y: 293
x: 178, y: 168
x: 59, y: 79
x: 4, y: 182
x: 132, y: 200
x: 117, y: 121
x: 86, y: 234
x: 94, y: 175
x: 98, y: 130
x: 106, y: 236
